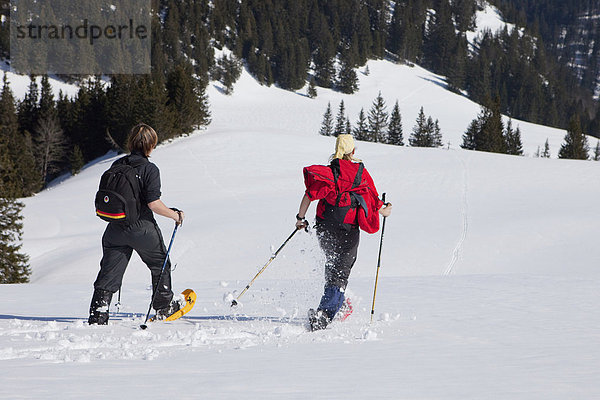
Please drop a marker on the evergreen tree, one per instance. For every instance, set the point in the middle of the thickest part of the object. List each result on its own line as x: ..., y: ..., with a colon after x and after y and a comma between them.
x: 14, y: 266
x: 348, y: 130
x: 513, y: 140
x: 394, y: 135
x: 491, y: 137
x: 361, y: 132
x: 436, y: 133
x: 546, y: 152
x: 340, y: 121
x: 597, y: 152
x: 21, y: 177
x: 28, y: 108
x: 440, y: 42
x: 420, y: 136
x: 187, y: 98
x: 469, y: 142
x: 227, y: 70
x: 327, y: 124
x: 347, y: 79
x: 312, y: 89
x: 576, y: 145
x: 76, y: 160
x: 378, y: 120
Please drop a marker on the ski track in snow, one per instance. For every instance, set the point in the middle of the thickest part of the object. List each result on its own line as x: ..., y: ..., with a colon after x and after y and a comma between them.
x: 465, y: 218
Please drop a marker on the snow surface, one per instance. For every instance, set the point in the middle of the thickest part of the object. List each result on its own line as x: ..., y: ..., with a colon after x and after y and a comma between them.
x: 488, y: 19
x: 488, y: 287
x: 19, y: 84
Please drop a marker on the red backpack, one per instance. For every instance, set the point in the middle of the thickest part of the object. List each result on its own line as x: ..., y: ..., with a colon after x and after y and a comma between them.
x: 347, y: 195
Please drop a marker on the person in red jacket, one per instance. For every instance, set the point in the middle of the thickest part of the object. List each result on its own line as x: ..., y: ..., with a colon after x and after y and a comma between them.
x: 348, y: 201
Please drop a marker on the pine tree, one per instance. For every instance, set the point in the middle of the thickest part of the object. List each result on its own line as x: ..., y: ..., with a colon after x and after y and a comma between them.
x: 469, y: 136
x: 21, y: 177
x: 491, y: 136
x: 361, y: 130
x: 14, y: 266
x: 187, y: 98
x: 312, y: 89
x: 420, y: 136
x: 513, y: 140
x: 348, y: 130
x: 347, y: 79
x: 546, y: 152
x: 378, y: 120
x: 76, y: 160
x: 340, y: 121
x: 327, y: 125
x: 440, y: 42
x: 394, y: 135
x: 576, y: 145
x: 597, y: 152
x: 28, y: 108
x: 436, y: 134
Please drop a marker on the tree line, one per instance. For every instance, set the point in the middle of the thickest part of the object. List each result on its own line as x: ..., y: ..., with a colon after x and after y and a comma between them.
x: 381, y: 126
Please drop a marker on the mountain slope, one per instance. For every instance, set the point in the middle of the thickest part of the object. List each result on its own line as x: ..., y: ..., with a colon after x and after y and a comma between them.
x: 487, y: 286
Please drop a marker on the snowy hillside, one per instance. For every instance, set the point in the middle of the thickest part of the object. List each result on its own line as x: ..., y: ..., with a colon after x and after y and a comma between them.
x: 488, y: 285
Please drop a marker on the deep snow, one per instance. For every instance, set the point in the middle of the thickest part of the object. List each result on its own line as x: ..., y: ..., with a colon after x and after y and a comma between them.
x: 488, y: 285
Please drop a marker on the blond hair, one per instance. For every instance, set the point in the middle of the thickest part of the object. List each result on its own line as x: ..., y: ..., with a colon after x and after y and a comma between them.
x: 344, y: 148
x: 142, y: 138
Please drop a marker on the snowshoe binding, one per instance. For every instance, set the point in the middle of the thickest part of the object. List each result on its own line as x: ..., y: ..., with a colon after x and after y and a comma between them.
x: 345, y: 310
x: 178, y: 307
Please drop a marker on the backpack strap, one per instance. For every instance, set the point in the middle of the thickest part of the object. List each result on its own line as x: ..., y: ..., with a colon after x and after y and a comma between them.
x: 335, y: 168
x: 358, y: 177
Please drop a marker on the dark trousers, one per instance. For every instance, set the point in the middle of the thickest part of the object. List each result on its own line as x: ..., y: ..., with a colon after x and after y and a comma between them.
x: 118, y: 243
x: 341, y: 248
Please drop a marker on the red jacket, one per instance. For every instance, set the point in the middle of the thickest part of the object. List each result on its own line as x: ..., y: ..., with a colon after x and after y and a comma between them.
x: 320, y: 185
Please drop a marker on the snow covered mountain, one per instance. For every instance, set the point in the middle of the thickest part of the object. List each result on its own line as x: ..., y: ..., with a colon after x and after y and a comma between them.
x: 488, y: 285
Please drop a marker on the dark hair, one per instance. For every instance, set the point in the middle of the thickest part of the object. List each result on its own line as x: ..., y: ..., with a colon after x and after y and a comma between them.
x: 142, y: 138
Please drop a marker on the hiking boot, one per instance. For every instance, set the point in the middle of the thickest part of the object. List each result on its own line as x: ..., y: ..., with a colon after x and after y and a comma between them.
x: 166, y: 312
x: 98, y: 318
x: 318, y: 320
x: 99, y: 307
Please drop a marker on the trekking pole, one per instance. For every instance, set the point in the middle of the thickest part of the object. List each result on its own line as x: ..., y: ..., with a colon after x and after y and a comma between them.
x: 118, y: 303
x: 378, y: 263
x: 234, y: 302
x: 144, y: 326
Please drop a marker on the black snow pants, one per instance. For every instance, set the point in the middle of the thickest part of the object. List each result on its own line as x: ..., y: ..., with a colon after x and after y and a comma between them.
x: 118, y: 243
x: 341, y: 248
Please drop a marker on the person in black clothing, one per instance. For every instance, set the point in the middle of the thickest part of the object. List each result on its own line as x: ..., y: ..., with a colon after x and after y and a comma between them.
x: 143, y: 236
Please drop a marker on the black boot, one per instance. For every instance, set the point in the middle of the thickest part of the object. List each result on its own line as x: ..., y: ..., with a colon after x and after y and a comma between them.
x: 166, y: 312
x: 99, y: 307
x: 318, y: 320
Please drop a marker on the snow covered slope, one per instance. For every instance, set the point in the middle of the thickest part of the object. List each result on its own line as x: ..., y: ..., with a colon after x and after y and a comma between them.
x: 488, y: 284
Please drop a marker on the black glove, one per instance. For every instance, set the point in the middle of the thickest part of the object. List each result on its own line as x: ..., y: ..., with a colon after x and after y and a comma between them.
x: 303, y: 221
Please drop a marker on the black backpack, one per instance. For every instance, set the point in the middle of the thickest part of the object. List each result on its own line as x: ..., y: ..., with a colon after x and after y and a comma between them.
x: 118, y: 198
